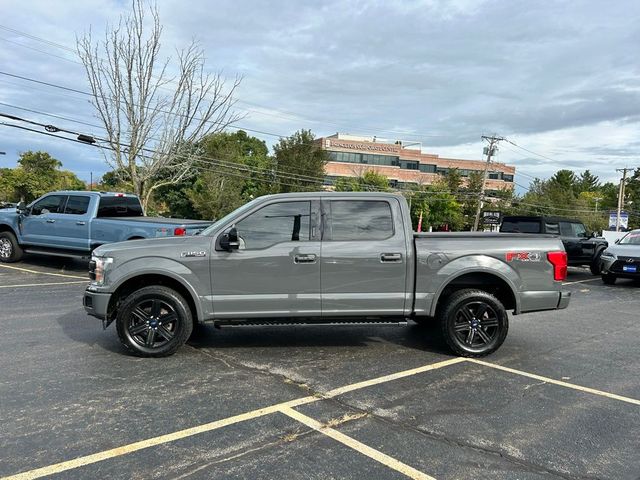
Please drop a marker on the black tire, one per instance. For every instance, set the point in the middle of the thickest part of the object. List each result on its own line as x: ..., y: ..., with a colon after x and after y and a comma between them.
x: 596, y: 264
x: 473, y: 323
x: 154, y: 322
x: 10, y: 250
x: 609, y: 279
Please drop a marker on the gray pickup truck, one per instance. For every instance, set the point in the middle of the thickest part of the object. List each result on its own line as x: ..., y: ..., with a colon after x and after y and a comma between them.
x: 73, y: 223
x: 328, y: 258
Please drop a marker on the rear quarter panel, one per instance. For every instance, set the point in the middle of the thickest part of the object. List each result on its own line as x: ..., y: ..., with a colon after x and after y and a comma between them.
x: 442, y: 258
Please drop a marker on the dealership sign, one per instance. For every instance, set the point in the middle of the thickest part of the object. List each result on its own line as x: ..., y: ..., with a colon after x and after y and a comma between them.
x: 363, y: 146
x: 624, y: 220
x: 491, y: 217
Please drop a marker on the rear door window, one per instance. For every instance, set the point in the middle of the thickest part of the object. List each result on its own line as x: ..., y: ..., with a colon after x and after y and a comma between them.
x: 515, y: 226
x: 77, y: 205
x: 115, y: 206
x: 360, y: 220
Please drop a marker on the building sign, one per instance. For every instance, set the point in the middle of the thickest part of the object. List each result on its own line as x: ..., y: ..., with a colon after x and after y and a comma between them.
x: 624, y: 220
x: 363, y: 146
x: 491, y: 217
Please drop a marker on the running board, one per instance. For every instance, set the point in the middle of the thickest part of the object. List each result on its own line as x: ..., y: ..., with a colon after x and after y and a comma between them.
x: 302, y: 322
x: 57, y: 253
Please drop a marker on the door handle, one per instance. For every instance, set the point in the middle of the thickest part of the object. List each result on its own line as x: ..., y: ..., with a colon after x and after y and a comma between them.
x: 310, y: 258
x: 391, y: 257
x: 81, y: 223
x: 50, y: 220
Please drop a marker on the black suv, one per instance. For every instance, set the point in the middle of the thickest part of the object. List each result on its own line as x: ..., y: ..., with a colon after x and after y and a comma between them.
x: 582, y: 247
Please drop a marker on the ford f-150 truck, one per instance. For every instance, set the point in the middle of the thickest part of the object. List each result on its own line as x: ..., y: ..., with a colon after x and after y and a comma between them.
x: 73, y: 223
x: 328, y: 258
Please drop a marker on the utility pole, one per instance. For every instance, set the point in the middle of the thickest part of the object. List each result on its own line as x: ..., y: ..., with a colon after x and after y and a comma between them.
x: 490, y: 150
x: 621, y: 195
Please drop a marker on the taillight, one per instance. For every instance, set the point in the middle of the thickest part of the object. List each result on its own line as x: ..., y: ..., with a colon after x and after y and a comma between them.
x: 178, y: 232
x: 559, y: 262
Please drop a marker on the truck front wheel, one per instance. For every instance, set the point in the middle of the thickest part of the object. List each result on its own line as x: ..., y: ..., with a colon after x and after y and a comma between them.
x: 154, y: 322
x: 473, y: 323
x: 10, y: 250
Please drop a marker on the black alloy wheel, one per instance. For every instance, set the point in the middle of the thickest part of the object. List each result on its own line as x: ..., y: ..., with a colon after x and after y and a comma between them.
x: 476, y: 324
x: 154, y: 322
x: 473, y: 323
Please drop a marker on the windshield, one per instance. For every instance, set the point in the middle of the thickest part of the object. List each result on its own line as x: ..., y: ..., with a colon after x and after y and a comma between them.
x: 226, y: 218
x: 631, y: 238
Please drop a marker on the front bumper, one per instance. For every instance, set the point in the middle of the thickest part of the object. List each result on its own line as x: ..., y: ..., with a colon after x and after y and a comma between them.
x: 96, y: 304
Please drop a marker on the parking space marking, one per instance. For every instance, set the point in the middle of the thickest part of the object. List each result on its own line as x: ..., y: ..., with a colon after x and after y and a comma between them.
x: 44, y: 284
x: 581, y: 281
x: 20, y: 269
x: 359, y: 447
x: 207, y: 427
x: 573, y: 386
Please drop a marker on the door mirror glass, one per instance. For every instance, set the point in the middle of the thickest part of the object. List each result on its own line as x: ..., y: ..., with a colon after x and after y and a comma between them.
x: 229, y: 240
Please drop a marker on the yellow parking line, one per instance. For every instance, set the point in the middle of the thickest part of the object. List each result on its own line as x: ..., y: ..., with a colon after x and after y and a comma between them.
x: 359, y: 447
x: 44, y: 273
x: 44, y: 284
x: 207, y: 427
x: 601, y: 393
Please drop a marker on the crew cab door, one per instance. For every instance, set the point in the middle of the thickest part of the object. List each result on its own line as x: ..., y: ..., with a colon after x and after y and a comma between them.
x: 276, y: 270
x: 574, y: 236
x: 73, y: 225
x: 364, y: 257
x: 39, y: 227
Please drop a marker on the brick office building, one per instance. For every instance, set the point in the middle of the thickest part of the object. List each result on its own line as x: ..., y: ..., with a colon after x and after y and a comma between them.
x: 403, y: 164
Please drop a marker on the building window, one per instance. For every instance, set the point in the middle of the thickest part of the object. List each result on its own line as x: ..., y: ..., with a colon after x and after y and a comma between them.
x: 442, y: 170
x: 507, y: 178
x: 427, y: 168
x: 409, y: 165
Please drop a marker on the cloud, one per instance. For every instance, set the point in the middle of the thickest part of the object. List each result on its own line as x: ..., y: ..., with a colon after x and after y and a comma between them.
x: 562, y: 78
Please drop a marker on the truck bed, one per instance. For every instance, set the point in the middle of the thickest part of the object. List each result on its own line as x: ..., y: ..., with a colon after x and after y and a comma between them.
x: 163, y: 220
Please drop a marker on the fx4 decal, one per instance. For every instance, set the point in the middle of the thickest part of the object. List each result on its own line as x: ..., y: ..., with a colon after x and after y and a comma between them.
x: 523, y: 256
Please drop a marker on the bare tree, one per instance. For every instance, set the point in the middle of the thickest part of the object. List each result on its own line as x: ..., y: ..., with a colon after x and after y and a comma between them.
x: 151, y: 116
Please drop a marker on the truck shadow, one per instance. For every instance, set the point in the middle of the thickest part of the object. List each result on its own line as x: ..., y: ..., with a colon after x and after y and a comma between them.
x: 311, y: 336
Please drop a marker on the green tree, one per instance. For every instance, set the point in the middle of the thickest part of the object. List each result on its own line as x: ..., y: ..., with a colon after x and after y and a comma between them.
x: 587, y: 182
x: 368, y: 181
x: 453, y: 180
x: 438, y: 207
x: 233, y: 169
x: 299, y: 161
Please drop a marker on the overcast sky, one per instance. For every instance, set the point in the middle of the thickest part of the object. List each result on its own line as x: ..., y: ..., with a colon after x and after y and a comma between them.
x: 559, y: 78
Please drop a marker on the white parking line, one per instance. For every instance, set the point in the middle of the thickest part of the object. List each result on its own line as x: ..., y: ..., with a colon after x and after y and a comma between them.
x: 359, y: 447
x: 581, y: 281
x: 20, y: 269
x: 44, y: 284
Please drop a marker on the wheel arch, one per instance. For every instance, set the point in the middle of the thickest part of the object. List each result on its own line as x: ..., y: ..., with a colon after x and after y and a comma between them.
x: 8, y: 228
x: 137, y: 282
x: 488, y: 281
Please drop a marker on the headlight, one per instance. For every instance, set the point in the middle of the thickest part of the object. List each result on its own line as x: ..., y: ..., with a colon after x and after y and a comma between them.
x: 97, y: 268
x: 608, y: 255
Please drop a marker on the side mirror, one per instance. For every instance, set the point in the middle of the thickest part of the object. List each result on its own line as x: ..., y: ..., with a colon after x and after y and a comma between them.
x: 21, y: 208
x: 229, y: 240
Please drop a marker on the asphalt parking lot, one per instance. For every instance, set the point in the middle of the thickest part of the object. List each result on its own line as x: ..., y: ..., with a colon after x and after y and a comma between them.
x: 560, y: 399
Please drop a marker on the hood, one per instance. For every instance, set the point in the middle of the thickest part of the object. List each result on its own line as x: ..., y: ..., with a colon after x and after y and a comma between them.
x: 624, y: 250
x: 153, y: 246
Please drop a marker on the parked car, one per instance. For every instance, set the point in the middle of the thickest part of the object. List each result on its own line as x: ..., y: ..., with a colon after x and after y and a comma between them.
x: 328, y: 258
x: 583, y: 247
x: 73, y: 223
x: 622, y: 260
x: 4, y: 205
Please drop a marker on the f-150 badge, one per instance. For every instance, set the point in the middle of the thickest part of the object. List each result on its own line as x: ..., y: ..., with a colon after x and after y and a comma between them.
x: 193, y: 254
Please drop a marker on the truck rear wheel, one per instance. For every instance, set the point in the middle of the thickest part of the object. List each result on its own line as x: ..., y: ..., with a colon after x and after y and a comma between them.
x: 154, y: 322
x: 10, y: 250
x: 473, y: 323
